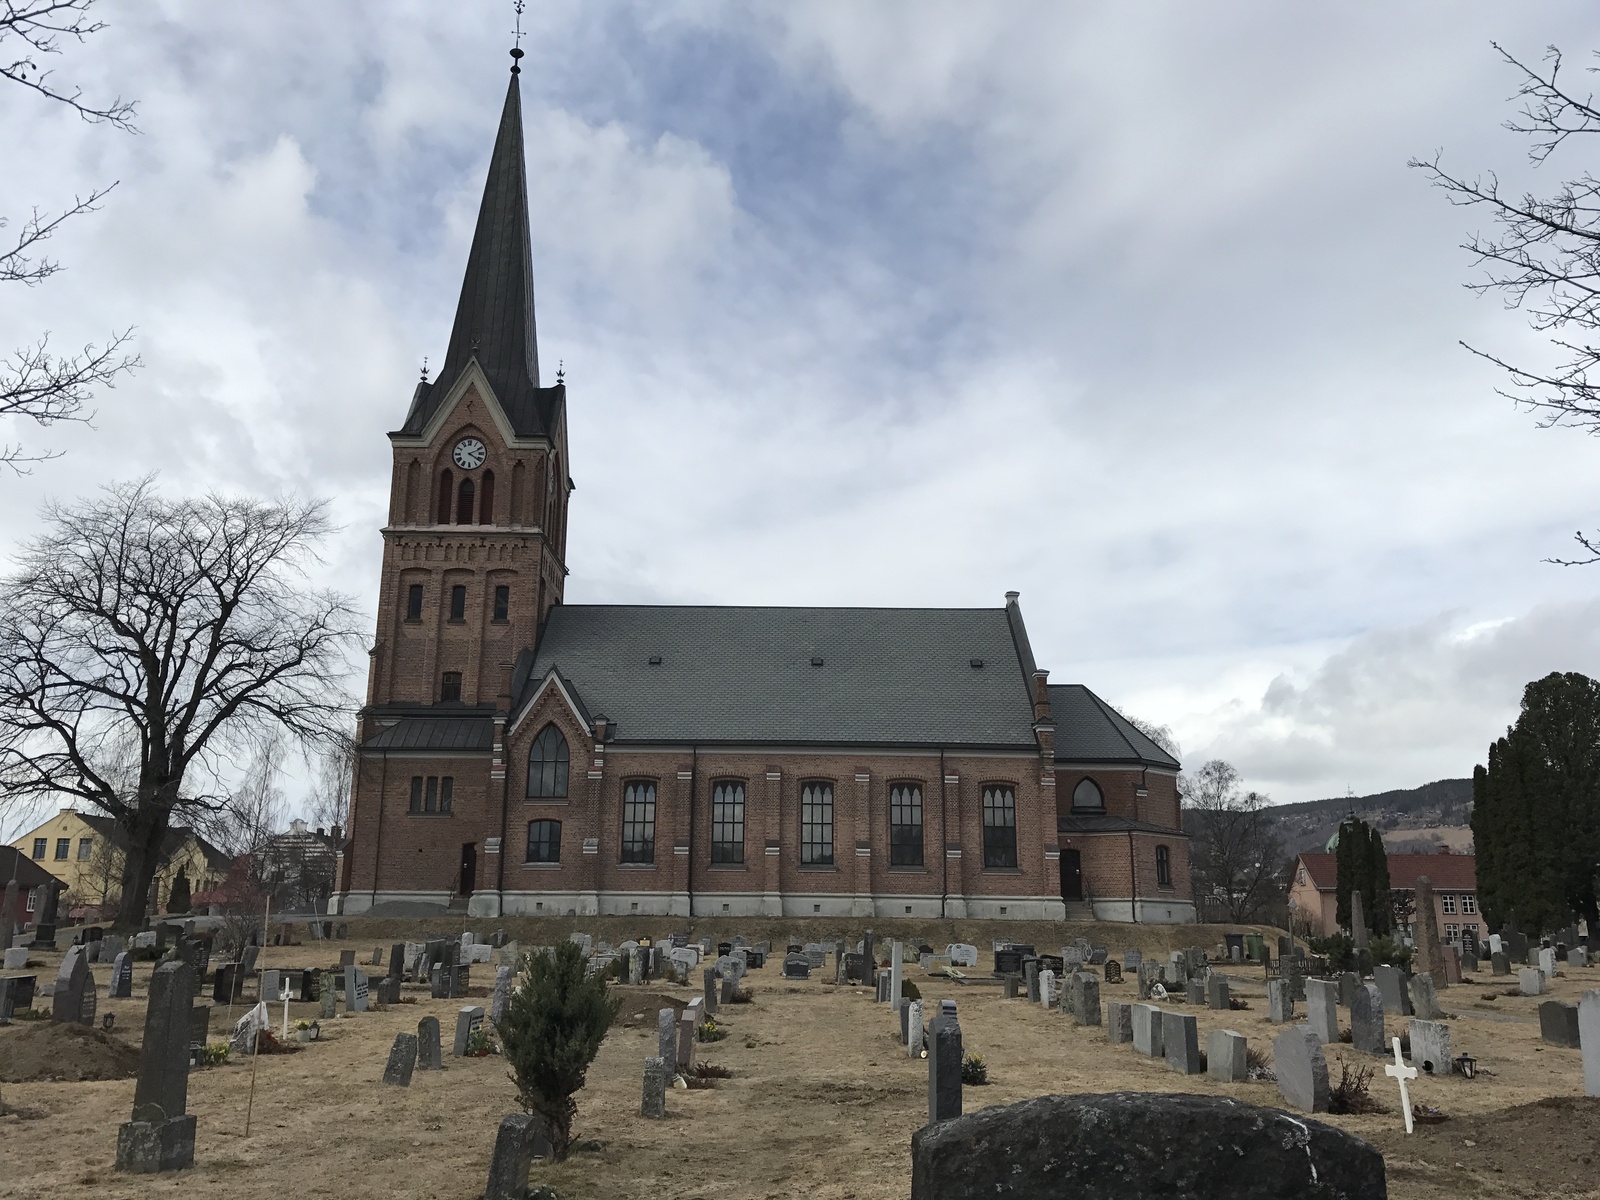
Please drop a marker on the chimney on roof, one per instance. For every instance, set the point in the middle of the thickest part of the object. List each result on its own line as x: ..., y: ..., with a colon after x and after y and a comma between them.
x: 1012, y: 598
x: 1041, y: 694
x: 601, y: 726
x: 337, y: 840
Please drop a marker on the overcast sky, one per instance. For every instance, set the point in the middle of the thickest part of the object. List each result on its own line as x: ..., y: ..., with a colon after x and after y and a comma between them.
x: 1134, y: 309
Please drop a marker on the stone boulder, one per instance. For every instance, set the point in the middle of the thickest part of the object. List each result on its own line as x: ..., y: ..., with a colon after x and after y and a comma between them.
x: 1131, y: 1145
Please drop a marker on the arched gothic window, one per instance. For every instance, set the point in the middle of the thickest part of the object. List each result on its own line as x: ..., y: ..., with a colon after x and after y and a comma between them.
x: 547, y: 765
x: 1087, y: 797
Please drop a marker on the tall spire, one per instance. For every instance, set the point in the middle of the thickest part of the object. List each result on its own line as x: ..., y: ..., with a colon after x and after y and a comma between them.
x: 494, y: 316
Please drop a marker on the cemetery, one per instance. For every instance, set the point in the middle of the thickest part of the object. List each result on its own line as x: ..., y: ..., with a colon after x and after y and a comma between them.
x: 385, y: 1074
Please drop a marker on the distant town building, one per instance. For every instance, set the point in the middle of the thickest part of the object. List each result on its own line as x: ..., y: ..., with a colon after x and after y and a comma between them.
x: 1313, y: 891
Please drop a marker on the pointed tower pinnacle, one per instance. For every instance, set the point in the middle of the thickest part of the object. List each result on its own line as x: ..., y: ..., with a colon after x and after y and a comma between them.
x: 494, y: 316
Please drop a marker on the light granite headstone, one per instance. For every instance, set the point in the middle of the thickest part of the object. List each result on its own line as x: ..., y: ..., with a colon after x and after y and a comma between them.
x: 1424, y: 997
x: 500, y: 999
x: 1119, y: 1023
x: 1366, y: 1020
x: 1147, y: 1029
x: 468, y: 1018
x: 1530, y: 981
x: 1302, y: 1069
x: 1085, y: 998
x: 1430, y: 1047
x: 1226, y: 1060
x: 1589, y: 1039
x: 1322, y: 1009
x: 1217, y: 996
x: 657, y: 1075
x: 1280, y: 1005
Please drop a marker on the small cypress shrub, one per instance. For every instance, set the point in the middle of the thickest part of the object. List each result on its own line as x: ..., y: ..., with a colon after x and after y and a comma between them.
x: 557, y: 1016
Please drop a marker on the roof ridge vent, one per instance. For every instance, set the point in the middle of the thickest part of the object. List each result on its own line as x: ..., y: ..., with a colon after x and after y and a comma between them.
x: 816, y: 660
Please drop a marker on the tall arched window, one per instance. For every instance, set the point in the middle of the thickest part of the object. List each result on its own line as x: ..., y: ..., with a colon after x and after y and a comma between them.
x: 1087, y: 797
x: 547, y: 765
x: 446, y: 496
x: 1163, y: 866
x: 486, y: 500
x: 464, y: 503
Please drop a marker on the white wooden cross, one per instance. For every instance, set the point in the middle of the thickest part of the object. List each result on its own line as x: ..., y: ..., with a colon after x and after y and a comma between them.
x: 1402, y: 1073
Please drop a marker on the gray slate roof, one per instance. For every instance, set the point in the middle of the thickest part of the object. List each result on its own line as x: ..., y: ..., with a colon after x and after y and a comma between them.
x: 494, y: 317
x: 465, y: 732
x: 1090, y: 730
x: 745, y: 675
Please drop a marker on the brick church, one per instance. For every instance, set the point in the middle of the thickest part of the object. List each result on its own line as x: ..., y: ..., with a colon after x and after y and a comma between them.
x: 523, y: 756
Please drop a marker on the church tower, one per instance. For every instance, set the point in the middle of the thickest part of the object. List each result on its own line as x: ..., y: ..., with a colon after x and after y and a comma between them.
x: 474, y: 552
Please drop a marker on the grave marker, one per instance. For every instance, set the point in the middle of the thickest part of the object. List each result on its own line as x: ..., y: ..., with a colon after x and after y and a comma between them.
x: 657, y: 1075
x: 1530, y: 981
x: 1430, y: 1047
x: 519, y: 1137
x: 1180, y: 1043
x: 469, y: 1018
x: 428, y: 1053
x: 73, y: 983
x: 122, y: 976
x: 1217, y: 996
x: 160, y: 1135
x: 1558, y: 1024
x: 1424, y: 997
x: 1147, y: 1029
x: 1399, y: 1072
x: 1322, y: 1009
x: 944, y: 1064
x: 402, y: 1060
x: 1302, y: 1069
x: 1119, y: 1023
x: 1226, y: 1059
x: 1280, y: 1005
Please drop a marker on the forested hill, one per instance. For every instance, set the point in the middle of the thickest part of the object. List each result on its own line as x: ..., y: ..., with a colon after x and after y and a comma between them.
x: 1411, y: 819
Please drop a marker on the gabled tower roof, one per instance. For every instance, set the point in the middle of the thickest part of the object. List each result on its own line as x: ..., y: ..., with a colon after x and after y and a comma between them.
x: 494, y: 317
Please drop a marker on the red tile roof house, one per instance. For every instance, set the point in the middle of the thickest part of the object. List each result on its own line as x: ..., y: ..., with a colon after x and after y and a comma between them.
x: 1312, y: 891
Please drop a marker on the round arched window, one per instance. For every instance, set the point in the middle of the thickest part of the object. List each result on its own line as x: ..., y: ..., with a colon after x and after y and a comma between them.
x: 1087, y: 795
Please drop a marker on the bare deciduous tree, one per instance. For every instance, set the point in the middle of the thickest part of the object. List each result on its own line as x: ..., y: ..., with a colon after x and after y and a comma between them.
x: 328, y: 804
x: 1235, y: 853
x: 35, y: 382
x: 1544, y: 257
x: 187, y: 626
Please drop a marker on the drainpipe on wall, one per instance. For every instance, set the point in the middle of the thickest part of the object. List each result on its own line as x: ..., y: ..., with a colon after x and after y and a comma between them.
x: 944, y: 838
x: 1133, y: 882
x: 694, y: 783
x: 377, y: 840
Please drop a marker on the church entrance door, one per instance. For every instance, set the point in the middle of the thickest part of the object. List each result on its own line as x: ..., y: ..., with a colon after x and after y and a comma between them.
x: 1071, y: 875
x: 469, y: 867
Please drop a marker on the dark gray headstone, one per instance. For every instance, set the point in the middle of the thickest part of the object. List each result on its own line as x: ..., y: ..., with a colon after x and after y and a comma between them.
x: 1424, y: 997
x: 1084, y: 998
x: 1107, y: 1147
x: 1217, y: 996
x: 657, y: 1076
x: 1348, y: 983
x: 1500, y: 963
x: 1180, y: 1042
x: 397, y: 960
x: 797, y: 966
x: 467, y: 1020
x: 944, y: 1065
x: 1119, y: 1023
x: 160, y: 1137
x: 122, y: 976
x: 1392, y: 987
x: 428, y: 1055
x: 1558, y: 1023
x: 710, y: 981
x: 1302, y: 1069
x: 500, y: 998
x: 520, y: 1137
x: 402, y: 1060
x: 1366, y: 1020
x: 72, y: 981
x: 667, y: 1034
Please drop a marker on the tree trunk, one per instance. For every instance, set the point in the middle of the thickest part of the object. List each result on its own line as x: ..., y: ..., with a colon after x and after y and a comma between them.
x: 145, y: 833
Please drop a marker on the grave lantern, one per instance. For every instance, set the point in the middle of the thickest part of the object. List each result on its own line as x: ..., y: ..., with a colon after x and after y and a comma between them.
x: 1468, y: 1066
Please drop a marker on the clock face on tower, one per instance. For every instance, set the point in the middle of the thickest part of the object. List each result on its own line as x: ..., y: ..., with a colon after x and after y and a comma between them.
x: 469, y: 454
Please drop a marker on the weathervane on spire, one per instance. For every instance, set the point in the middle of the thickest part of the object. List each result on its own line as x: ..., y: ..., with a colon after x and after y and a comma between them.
x: 516, y: 47
x: 561, y: 370
x: 424, y: 368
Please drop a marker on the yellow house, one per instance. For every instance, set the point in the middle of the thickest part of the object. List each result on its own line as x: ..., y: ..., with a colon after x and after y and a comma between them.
x: 84, y: 850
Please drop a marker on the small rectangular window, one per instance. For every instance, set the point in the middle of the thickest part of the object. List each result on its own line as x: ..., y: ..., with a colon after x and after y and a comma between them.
x: 416, y: 793
x: 32, y: 892
x: 502, y: 604
x: 458, y: 602
x: 816, y: 825
x: 447, y: 791
x: 430, y: 801
x: 639, y: 822
x: 905, y: 825
x: 63, y: 849
x: 450, y: 688
x: 41, y: 847
x: 1163, y: 866
x: 999, y: 827
x: 727, y: 823
x: 1469, y: 904
x: 1448, y: 903
x: 544, y: 841
x: 414, y: 602
x: 85, y: 849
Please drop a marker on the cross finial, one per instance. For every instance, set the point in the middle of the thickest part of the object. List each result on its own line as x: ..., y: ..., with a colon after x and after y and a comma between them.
x: 1399, y: 1071
x: 516, y: 46
x: 424, y: 368
x: 561, y: 370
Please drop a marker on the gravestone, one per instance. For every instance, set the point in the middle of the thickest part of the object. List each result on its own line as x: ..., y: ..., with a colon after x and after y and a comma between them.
x: 16, y: 995
x: 1391, y: 986
x: 1013, y: 984
x: 347, y: 958
x: 1030, y: 975
x: 730, y: 989
x: 1558, y: 1024
x: 1302, y: 1069
x: 1515, y: 944
x: 226, y: 983
x: 798, y: 966
x: 1322, y: 1009
x: 329, y: 997
x: 73, y: 984
x: 1547, y: 962
x: 1366, y: 1020
x: 1226, y: 1060
x: 1194, y: 991
x: 501, y: 997
x: 160, y: 1135
x: 911, y: 1013
x: 1047, y: 989
x: 685, y: 1047
x: 1293, y: 974
x: 1430, y: 948
x: 1499, y: 963
x: 1180, y: 1043
x: 402, y: 1060
x: 944, y: 1064
x: 1149, y: 976
x: 16, y: 958
x: 1348, y: 983
x: 1113, y: 971
x: 1430, y: 1047
x: 1217, y: 996
x: 1452, y: 965
x: 1119, y: 1023
x: 657, y: 1075
x: 1280, y: 1006
x: 1530, y: 981
x: 199, y: 1024
x: 1359, y: 938
x: 397, y: 960
x: 122, y: 976
x: 962, y: 955
x: 520, y: 1137
x: 711, y: 982
x: 355, y: 989
x: 1424, y: 998
x: 667, y: 1034
x: 1578, y: 956
x: 1107, y: 1146
x: 1147, y: 1029
x: 1589, y: 1039
x: 1085, y: 999
x: 428, y: 1052
x: 468, y: 1019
